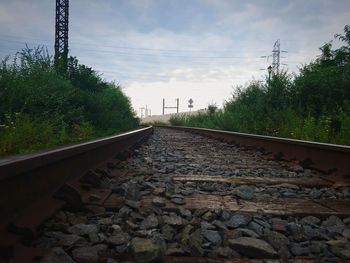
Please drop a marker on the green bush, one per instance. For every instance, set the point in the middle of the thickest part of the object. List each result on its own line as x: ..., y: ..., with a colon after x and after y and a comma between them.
x: 41, y: 107
x: 313, y: 105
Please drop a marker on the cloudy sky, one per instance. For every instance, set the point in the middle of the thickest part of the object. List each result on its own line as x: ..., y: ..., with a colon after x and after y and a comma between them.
x: 199, y: 49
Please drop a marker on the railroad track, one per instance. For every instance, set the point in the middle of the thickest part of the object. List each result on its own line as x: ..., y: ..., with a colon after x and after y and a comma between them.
x: 179, y: 196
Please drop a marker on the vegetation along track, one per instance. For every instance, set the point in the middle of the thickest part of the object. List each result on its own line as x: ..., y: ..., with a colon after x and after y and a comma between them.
x: 184, y: 197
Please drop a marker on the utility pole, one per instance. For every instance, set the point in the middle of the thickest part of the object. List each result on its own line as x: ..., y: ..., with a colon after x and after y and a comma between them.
x: 61, y: 34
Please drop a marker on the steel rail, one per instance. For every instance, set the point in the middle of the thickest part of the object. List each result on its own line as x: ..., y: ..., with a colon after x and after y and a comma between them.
x: 329, y: 158
x: 32, y: 177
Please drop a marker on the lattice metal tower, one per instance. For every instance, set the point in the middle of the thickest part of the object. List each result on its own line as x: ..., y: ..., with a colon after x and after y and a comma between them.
x: 61, y: 33
x: 276, y: 54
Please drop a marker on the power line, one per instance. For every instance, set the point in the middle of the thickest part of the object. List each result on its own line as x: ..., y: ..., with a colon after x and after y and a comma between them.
x: 147, y: 54
x: 77, y: 43
x: 227, y: 50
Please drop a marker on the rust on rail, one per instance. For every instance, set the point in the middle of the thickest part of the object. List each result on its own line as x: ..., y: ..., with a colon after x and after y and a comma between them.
x: 29, y: 182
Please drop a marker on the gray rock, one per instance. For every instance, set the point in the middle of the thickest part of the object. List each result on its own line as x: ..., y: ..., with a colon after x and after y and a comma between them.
x: 315, y: 193
x: 315, y: 233
x: 105, y: 221
x: 187, y: 229
x: 178, y: 199
x: 344, y: 253
x: 145, y: 233
x: 310, y: 220
x: 132, y: 192
x: 159, y: 240
x: 168, y: 232
x: 169, y: 188
x: 299, y: 249
x: 195, y: 243
x: 118, y: 239
x: 66, y: 240
x: 245, y: 192
x: 173, y: 220
x: 346, y: 220
x: 332, y: 221
x: 261, y: 221
x: 288, y: 193
x: 136, y: 216
x: 227, y: 252
x: 316, y: 247
x: 257, y: 228
x: 159, y: 191
x: 212, y: 236
x: 57, y: 255
x: 237, y: 220
x: 297, y: 232
x: 132, y: 225
x: 88, y: 254
x: 116, y: 228
x: 149, y: 222
x: 94, y: 238
x: 225, y: 215
x: 346, y: 233
x: 276, y: 240
x: 340, y: 248
x: 219, y: 224
x: 244, y: 232
x: 206, y: 225
x: 284, y: 253
x: 82, y: 229
x: 124, y: 211
x: 336, y: 230
x: 185, y: 212
x: 208, y: 216
x: 145, y: 250
x: 187, y: 192
x: 133, y: 204
x: 252, y: 247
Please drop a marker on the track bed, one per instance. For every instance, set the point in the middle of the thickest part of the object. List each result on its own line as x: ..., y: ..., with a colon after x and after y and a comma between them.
x: 182, y: 197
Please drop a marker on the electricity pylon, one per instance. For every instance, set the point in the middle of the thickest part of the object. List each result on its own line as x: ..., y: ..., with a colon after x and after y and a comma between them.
x: 61, y: 34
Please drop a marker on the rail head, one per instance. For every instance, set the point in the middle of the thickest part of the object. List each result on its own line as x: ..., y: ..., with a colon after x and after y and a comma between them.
x: 18, y: 164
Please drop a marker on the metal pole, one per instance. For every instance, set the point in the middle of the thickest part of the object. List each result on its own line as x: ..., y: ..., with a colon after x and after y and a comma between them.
x: 163, y: 105
x: 177, y: 105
